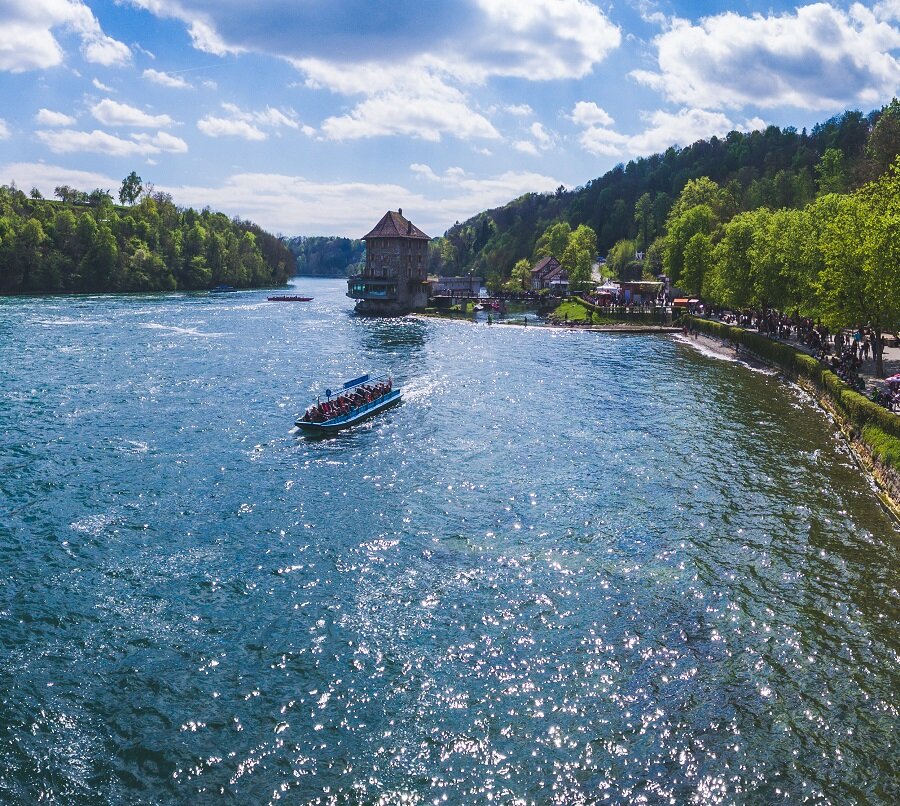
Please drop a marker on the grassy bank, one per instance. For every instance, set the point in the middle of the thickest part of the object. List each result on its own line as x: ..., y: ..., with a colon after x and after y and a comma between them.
x: 576, y: 312
x: 872, y: 425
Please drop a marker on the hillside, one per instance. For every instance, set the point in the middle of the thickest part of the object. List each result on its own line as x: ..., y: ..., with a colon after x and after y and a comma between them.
x: 776, y: 168
x: 320, y: 256
x: 86, y: 243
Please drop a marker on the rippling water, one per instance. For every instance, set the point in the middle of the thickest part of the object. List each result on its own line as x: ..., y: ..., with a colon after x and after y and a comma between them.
x: 570, y: 568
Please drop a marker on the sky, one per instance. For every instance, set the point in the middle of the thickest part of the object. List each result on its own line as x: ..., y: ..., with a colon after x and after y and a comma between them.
x: 314, y: 118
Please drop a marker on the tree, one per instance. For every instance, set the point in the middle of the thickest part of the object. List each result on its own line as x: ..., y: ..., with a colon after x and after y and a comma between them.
x: 884, y: 142
x: 554, y: 240
x: 730, y: 275
x: 578, y: 257
x: 698, y: 254
x: 681, y: 228
x: 520, y: 277
x: 643, y: 217
x: 831, y: 172
x: 859, y: 283
x: 131, y: 189
x: 621, y: 254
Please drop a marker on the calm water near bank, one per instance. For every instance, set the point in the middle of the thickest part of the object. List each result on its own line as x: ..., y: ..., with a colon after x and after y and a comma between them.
x: 570, y: 567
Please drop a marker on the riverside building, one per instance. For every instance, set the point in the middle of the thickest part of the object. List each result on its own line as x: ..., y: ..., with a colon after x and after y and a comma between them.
x: 394, y: 281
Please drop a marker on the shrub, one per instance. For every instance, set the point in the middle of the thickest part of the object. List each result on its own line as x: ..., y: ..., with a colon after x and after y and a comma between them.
x: 885, y: 447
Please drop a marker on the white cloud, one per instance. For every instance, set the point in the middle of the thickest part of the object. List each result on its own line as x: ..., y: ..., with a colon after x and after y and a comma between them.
x: 250, y: 125
x: 424, y: 171
x: 4, y: 130
x: 28, y: 40
x: 113, y: 113
x: 161, y: 141
x: 48, y: 177
x: 538, y: 39
x: 526, y: 147
x: 101, y: 86
x: 602, y: 141
x: 166, y: 79
x: 816, y: 57
x: 294, y: 204
x: 542, y: 137
x: 663, y: 129
x: 587, y: 113
x: 430, y: 114
x: 213, y: 126
x: 520, y: 110
x: 104, y: 50
x: 47, y: 117
x: 411, y: 63
x: 67, y: 141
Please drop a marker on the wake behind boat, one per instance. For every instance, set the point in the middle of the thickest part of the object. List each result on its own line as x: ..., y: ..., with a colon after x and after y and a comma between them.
x: 286, y: 298
x: 358, y: 400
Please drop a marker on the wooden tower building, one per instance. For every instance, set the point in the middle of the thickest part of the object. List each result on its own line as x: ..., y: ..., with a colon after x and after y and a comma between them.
x: 394, y: 281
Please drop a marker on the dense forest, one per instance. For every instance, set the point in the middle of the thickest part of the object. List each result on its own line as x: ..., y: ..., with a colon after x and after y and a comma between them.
x: 327, y: 256
x: 84, y: 242
x: 773, y: 169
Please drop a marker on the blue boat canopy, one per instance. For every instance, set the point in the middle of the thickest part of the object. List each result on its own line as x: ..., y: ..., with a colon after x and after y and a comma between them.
x: 356, y: 381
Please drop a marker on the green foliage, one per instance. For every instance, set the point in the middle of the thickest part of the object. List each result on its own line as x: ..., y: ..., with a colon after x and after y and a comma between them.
x: 132, y: 187
x: 775, y: 168
x: 884, y: 142
x: 578, y: 257
x: 554, y: 241
x: 885, y: 447
x: 683, y: 224
x: 85, y: 243
x: 831, y: 172
x: 618, y: 258
x: 327, y: 256
x: 520, y: 278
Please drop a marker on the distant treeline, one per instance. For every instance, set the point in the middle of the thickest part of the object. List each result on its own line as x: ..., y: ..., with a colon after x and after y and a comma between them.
x: 776, y: 169
x: 327, y: 256
x: 86, y: 243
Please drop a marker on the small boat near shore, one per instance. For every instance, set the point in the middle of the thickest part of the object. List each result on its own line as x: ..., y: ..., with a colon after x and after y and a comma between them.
x: 357, y: 400
x: 284, y: 298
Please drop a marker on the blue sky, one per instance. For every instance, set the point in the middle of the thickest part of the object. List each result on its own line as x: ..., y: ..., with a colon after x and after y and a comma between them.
x: 313, y: 118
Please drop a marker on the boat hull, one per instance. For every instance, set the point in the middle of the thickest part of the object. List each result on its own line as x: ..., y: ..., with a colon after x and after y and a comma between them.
x: 358, y: 415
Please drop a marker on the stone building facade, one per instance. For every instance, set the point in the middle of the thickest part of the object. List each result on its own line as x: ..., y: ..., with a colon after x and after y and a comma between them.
x: 395, y: 280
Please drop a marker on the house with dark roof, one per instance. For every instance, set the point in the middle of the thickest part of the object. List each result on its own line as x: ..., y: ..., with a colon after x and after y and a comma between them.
x: 394, y: 280
x: 548, y: 273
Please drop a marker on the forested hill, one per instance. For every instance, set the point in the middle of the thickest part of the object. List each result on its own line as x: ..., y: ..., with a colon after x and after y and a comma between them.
x: 327, y: 256
x: 86, y: 243
x: 775, y: 168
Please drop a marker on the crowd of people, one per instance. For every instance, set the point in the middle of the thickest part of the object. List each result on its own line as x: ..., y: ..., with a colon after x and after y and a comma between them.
x: 844, y: 351
x: 346, y: 402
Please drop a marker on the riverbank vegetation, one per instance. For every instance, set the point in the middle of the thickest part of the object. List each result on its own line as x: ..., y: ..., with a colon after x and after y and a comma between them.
x: 83, y: 242
x: 633, y: 208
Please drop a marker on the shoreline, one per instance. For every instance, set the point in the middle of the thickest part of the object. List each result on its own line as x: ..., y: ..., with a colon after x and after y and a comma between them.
x: 884, y: 478
x: 623, y: 327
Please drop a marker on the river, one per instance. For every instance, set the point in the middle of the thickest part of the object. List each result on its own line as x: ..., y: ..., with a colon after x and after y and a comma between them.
x: 570, y: 568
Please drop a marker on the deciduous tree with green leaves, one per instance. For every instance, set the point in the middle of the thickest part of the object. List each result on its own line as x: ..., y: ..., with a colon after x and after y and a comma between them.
x: 132, y: 187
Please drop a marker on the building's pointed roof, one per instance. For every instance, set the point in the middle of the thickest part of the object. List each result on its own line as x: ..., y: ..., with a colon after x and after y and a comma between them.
x: 394, y: 225
x: 544, y: 263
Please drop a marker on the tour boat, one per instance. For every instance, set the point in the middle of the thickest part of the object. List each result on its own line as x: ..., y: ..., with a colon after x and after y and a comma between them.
x: 357, y: 400
x: 289, y: 299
